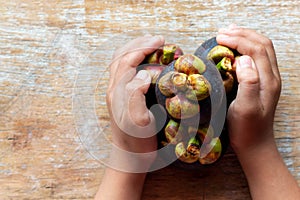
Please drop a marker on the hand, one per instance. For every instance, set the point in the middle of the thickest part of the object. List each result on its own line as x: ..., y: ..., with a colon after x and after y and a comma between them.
x: 251, y: 114
x: 132, y: 124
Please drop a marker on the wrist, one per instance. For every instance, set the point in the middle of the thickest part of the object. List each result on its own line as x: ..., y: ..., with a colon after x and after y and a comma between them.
x: 262, y: 148
x: 252, y: 142
x: 121, y: 185
x: 127, y: 161
x: 267, y: 175
x: 259, y: 153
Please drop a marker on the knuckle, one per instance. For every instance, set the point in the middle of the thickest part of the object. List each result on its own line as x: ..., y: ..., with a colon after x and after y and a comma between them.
x: 124, y: 61
x: 143, y: 120
x: 276, y: 87
x: 118, y: 52
x: 130, y: 88
x: 267, y: 42
x: 135, y: 86
x: 259, y: 49
x: 279, y: 86
x: 108, y: 96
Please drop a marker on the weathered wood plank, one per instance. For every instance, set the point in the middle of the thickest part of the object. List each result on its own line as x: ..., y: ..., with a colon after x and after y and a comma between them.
x: 45, y: 45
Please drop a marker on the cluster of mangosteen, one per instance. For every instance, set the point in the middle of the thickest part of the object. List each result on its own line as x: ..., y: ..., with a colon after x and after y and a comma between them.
x: 180, y: 86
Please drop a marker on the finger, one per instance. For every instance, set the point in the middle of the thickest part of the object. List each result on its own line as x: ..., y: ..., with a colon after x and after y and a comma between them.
x: 248, y: 95
x: 136, y: 120
x: 137, y: 53
x: 136, y: 90
x: 270, y: 83
x: 255, y: 37
x: 117, y: 91
x: 132, y: 54
x: 135, y: 43
x: 257, y: 52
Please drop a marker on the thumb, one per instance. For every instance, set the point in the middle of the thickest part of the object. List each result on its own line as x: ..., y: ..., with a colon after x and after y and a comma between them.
x: 248, y: 79
x: 140, y: 82
x: 129, y: 108
x: 247, y: 101
x: 137, y: 88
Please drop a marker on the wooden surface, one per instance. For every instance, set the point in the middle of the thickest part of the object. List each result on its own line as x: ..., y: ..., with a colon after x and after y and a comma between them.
x: 51, y: 50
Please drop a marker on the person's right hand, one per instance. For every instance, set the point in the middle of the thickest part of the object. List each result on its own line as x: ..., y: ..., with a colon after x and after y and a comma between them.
x: 251, y: 114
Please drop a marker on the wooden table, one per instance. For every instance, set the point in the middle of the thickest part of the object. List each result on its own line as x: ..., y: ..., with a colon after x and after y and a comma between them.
x: 50, y: 50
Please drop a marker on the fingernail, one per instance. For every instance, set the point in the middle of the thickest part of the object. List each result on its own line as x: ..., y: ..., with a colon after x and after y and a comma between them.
x: 142, y: 74
x: 244, y: 62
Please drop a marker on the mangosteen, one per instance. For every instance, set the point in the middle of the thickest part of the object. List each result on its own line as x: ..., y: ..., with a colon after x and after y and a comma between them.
x: 191, y: 88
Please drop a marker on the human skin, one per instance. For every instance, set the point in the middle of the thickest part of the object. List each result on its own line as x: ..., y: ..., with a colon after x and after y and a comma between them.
x: 132, y: 87
x: 250, y: 116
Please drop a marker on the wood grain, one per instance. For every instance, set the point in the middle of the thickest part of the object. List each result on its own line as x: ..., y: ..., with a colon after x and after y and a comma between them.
x: 52, y: 52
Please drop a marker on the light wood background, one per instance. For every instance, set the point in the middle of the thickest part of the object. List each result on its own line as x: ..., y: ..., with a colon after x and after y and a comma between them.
x: 51, y: 50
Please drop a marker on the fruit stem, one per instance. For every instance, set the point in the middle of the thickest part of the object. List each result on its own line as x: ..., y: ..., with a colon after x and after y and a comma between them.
x: 168, y: 54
